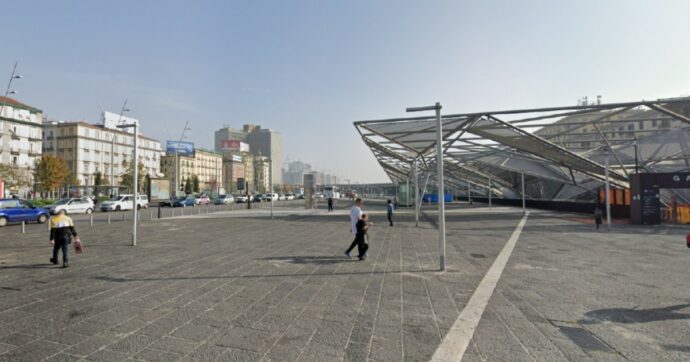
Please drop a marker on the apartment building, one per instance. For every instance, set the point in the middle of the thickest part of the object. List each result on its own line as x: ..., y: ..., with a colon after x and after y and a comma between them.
x: 207, y: 165
x: 91, y: 148
x: 20, y: 141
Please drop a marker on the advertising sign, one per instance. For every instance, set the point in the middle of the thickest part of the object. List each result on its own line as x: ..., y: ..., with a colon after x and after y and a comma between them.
x: 112, y: 120
x: 183, y: 148
x: 236, y: 158
x: 160, y: 189
x: 2, y: 187
x: 233, y: 145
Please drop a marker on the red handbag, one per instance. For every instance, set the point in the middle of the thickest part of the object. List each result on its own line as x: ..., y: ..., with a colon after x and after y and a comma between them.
x: 687, y: 239
x: 78, y: 247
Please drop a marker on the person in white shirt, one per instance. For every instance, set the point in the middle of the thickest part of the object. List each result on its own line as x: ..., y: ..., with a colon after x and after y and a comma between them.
x: 355, y: 215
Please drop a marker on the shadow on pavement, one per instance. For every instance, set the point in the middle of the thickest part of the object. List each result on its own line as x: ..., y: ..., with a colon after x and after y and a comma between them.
x: 633, y: 315
x: 306, y: 259
x: 28, y: 266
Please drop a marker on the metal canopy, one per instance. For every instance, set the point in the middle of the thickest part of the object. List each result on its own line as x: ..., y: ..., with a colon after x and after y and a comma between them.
x: 556, y: 146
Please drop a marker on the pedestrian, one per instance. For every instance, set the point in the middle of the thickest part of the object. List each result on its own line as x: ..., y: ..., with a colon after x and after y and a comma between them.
x: 330, y: 204
x: 362, y: 237
x: 597, y: 216
x: 355, y: 215
x: 61, y: 233
x: 391, y: 209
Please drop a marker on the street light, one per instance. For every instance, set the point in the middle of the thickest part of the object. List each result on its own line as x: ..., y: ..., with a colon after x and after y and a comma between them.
x: 112, y: 148
x: 439, y: 168
x: 177, y: 147
x: 135, y: 165
x: 635, y: 145
x: 13, y: 76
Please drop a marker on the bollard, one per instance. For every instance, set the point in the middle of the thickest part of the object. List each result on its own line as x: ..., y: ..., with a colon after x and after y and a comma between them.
x: 173, y: 212
x: 108, y: 219
x: 123, y: 217
x: 151, y: 212
x: 199, y: 210
x: 23, y: 227
x: 91, y: 219
x: 48, y: 223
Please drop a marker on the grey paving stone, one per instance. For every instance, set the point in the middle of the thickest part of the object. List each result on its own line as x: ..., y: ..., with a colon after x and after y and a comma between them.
x: 247, y: 339
x: 107, y: 355
x: 194, y: 332
x: 174, y: 344
x: 132, y: 343
x: 35, y: 351
x: 18, y: 339
x: 153, y: 355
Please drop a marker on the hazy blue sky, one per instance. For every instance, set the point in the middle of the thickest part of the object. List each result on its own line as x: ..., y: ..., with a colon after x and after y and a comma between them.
x: 311, y: 68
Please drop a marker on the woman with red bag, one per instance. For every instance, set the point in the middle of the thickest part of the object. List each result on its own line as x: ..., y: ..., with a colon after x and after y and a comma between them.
x: 61, y: 232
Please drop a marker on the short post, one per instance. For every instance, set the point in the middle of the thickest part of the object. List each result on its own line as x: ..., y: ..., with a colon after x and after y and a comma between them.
x: 108, y: 219
x: 151, y: 213
x: 608, y: 194
x: 489, y: 192
x: 23, y: 227
x: 48, y: 223
x: 199, y: 210
x: 172, y: 211
x: 123, y: 217
x: 91, y: 219
x: 524, y: 209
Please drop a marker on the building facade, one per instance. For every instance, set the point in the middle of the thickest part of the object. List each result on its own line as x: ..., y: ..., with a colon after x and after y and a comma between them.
x: 233, y: 169
x: 207, y: 165
x: 261, y: 141
x: 20, y: 142
x: 294, y: 174
x: 262, y: 174
x: 89, y: 149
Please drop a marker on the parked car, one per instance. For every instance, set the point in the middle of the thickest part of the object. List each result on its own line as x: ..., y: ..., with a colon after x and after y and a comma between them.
x: 72, y: 206
x: 241, y: 199
x: 224, y: 199
x: 259, y: 198
x: 18, y: 210
x: 289, y: 196
x: 300, y: 197
x: 203, y: 200
x: 124, y: 202
x: 282, y: 197
x: 272, y: 197
x: 185, y: 201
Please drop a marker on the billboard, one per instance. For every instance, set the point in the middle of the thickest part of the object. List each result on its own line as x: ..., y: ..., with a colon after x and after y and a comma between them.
x: 112, y: 120
x: 233, y: 145
x: 183, y: 148
x: 236, y: 158
x: 2, y: 188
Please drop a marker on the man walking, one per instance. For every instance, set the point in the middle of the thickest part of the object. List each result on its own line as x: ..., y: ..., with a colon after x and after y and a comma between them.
x: 330, y: 204
x: 61, y: 232
x: 390, y: 212
x: 355, y: 216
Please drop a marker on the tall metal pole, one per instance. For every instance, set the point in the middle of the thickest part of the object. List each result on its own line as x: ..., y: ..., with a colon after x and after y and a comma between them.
x: 441, y: 193
x: 416, y: 194
x: 635, y: 144
x: 407, y: 192
x: 439, y: 174
x: 489, y: 192
x: 13, y: 76
x: 112, y: 147
x: 608, y: 192
x: 524, y: 209
x: 177, y: 161
x: 135, y: 163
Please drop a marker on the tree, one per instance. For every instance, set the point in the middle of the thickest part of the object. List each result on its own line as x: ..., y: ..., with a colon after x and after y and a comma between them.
x: 70, y: 180
x: 50, y: 172
x: 195, y: 183
x: 128, y: 178
x: 98, y: 180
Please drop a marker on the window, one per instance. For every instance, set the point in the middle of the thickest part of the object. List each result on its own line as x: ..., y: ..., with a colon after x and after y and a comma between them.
x: 641, y: 125
x: 631, y: 127
x: 665, y: 123
x: 654, y: 123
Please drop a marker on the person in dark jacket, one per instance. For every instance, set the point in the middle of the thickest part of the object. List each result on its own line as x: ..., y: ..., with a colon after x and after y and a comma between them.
x: 597, y: 216
x: 330, y: 204
x: 61, y: 233
x: 362, y: 237
x: 390, y: 211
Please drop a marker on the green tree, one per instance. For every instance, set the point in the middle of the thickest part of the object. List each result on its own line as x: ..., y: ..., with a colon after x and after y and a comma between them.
x: 50, y: 172
x: 195, y: 183
x: 128, y: 178
x: 70, y: 180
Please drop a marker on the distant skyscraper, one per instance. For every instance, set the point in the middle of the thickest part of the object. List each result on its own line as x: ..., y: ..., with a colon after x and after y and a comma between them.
x: 269, y: 143
x: 227, y: 134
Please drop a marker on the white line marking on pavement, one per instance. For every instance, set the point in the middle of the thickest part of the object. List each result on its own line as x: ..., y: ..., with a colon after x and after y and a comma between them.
x: 455, y: 343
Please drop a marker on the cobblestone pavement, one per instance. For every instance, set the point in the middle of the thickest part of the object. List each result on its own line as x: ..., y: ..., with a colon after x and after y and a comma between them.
x: 224, y: 287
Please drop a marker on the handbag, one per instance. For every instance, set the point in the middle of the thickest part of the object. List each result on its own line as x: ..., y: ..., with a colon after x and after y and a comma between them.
x: 78, y: 247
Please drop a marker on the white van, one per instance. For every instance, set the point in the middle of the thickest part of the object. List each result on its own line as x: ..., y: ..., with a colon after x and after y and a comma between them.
x: 124, y: 202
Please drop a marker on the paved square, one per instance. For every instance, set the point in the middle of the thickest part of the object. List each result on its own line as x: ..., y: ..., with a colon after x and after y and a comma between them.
x: 237, y: 285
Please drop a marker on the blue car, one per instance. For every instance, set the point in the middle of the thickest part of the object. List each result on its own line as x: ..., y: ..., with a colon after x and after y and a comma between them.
x: 18, y: 210
x: 185, y: 201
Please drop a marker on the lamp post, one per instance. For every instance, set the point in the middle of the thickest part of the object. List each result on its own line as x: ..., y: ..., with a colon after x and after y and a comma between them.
x: 635, y: 146
x: 112, y: 148
x: 13, y: 76
x: 441, y: 193
x: 177, y: 161
x: 608, y: 194
x: 135, y: 172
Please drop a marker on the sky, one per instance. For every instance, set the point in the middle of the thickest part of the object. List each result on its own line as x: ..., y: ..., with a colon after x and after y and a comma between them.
x: 309, y: 69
